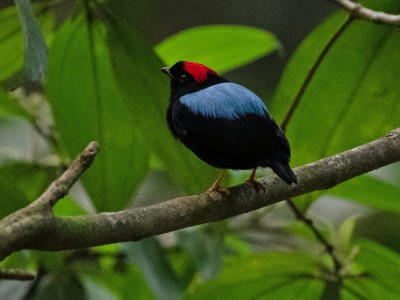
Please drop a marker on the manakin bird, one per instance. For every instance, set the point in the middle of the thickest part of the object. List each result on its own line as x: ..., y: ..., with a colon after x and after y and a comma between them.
x: 225, y: 124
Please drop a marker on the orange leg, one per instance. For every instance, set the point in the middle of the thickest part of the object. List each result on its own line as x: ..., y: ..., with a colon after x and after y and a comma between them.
x: 252, y: 180
x: 217, y: 184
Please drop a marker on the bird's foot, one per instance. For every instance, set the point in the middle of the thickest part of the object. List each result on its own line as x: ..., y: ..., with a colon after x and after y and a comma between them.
x: 218, y: 189
x: 257, y: 185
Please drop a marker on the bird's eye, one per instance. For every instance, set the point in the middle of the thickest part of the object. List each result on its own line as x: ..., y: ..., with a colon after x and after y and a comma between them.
x: 183, y: 78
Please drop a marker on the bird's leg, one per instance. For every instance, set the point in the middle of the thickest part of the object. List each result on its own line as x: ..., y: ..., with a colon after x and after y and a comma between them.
x: 252, y: 180
x: 216, y: 187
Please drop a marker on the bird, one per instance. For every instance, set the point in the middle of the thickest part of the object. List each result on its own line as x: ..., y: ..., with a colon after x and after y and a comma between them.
x: 225, y: 124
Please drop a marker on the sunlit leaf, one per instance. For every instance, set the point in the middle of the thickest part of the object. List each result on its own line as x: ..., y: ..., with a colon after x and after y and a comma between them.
x: 222, y: 47
x: 88, y: 106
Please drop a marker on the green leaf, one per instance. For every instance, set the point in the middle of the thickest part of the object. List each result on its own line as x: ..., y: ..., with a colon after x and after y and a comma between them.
x: 146, y: 92
x: 124, y: 285
x: 11, y: 43
x: 96, y: 291
x: 222, y: 47
x: 67, y: 207
x: 371, y: 191
x: 205, y: 249
x: 88, y: 106
x: 381, y: 272
x: 353, y: 96
x: 35, y: 45
x: 381, y: 227
x: 21, y: 183
x: 10, y: 107
x: 59, y: 287
x: 263, y: 276
x: 345, y: 232
x: 150, y: 258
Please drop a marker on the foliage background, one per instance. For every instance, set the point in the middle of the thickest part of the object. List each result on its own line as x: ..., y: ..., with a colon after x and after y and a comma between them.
x: 103, y: 83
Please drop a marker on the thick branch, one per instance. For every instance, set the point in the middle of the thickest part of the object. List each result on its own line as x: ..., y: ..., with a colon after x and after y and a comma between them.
x: 60, y: 233
x: 361, y: 12
x: 32, y: 223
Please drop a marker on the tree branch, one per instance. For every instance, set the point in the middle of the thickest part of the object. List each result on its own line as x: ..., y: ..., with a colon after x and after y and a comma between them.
x: 361, y: 12
x: 35, y: 227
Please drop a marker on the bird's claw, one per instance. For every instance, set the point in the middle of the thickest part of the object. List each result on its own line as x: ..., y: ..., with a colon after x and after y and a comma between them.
x: 257, y: 185
x: 218, y: 189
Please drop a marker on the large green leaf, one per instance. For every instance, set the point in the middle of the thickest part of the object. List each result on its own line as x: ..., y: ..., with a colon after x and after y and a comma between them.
x: 264, y: 276
x: 150, y: 257
x: 146, y: 92
x: 21, y: 183
x: 222, y: 47
x: 371, y: 191
x: 10, y: 107
x: 381, y: 268
x: 88, y: 106
x: 353, y: 96
x: 11, y: 43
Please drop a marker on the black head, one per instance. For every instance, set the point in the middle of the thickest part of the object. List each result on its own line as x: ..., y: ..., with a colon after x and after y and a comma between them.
x: 188, y: 77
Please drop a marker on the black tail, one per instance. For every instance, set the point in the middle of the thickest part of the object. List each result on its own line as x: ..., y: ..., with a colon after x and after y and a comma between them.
x: 283, y: 171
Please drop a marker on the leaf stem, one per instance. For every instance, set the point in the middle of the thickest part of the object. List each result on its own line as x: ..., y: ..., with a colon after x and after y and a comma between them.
x: 313, y: 70
x: 329, y: 248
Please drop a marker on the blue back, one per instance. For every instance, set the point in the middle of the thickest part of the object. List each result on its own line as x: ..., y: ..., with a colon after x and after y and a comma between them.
x: 224, y: 100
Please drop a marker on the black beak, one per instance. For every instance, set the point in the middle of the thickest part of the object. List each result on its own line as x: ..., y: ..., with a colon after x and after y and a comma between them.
x: 166, y: 70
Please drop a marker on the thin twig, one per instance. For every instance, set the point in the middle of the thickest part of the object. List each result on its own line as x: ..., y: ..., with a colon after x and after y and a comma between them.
x: 17, y: 274
x: 312, y: 72
x: 361, y: 12
x: 310, y: 224
x: 298, y: 213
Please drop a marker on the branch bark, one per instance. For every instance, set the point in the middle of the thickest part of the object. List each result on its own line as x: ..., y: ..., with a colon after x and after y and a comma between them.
x: 35, y: 227
x: 361, y: 12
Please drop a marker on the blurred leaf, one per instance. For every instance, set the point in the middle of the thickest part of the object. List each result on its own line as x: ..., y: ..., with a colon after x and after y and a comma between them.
x: 346, y: 231
x: 382, y: 227
x: 150, y: 258
x: 205, y: 249
x: 96, y: 291
x: 382, y: 270
x: 371, y: 191
x: 67, y: 207
x: 21, y: 183
x: 125, y: 285
x: 88, y: 106
x: 59, y: 287
x: 222, y: 47
x: 146, y: 92
x: 10, y: 107
x: 11, y: 43
x: 237, y: 245
x: 264, y: 276
x: 353, y: 97
x: 35, y: 45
